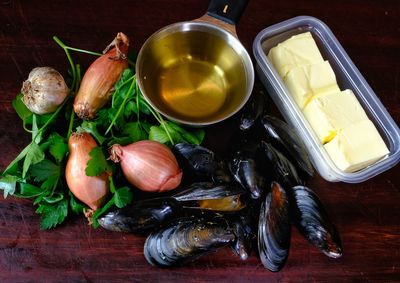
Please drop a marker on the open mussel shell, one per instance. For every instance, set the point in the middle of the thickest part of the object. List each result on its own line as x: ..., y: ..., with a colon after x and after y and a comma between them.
x: 285, y: 138
x: 282, y: 169
x: 186, y: 240
x: 313, y: 222
x: 201, y: 162
x: 274, y: 229
x: 211, y: 196
x: 142, y: 216
x: 243, y: 167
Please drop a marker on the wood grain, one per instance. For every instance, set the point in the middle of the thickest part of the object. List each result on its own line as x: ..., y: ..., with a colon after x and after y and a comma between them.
x: 367, y: 214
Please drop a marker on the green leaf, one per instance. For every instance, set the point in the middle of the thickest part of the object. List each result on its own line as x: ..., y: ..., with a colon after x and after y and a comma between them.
x: 45, y: 170
x: 48, y: 173
x: 104, y: 117
x: 33, y: 156
x: 91, y: 128
x: 157, y: 133
x: 122, y: 197
x: 98, y: 163
x: 8, y: 184
x: 36, y: 135
x: 130, y: 109
x: 135, y: 131
x: 23, y: 112
x: 58, y: 147
x: 52, y: 214
x: 76, y: 206
x: 192, y: 136
x: 29, y: 191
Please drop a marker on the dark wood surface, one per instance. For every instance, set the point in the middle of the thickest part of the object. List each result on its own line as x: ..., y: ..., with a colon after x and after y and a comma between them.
x: 367, y: 215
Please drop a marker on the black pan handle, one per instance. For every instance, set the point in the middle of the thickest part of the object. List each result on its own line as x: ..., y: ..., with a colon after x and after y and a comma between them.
x: 227, y: 10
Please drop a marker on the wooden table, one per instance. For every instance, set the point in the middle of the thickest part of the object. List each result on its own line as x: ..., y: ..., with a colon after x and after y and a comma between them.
x: 367, y: 214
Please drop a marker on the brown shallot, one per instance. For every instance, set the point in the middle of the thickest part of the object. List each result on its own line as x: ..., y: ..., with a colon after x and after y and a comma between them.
x: 97, y: 83
x: 91, y: 190
x: 148, y: 165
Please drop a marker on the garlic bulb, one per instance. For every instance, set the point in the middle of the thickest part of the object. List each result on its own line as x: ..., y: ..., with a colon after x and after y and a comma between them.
x: 44, y: 90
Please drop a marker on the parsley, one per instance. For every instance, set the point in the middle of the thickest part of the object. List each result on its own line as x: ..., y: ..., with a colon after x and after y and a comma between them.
x: 98, y: 164
x: 38, y: 172
x: 8, y: 184
x: 52, y: 215
x: 121, y: 197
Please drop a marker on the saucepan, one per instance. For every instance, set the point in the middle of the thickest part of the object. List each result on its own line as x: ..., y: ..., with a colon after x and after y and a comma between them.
x: 197, y: 72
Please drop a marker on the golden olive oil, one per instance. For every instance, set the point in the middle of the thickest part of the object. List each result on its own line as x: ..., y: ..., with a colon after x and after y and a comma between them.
x: 193, y: 88
x: 193, y: 75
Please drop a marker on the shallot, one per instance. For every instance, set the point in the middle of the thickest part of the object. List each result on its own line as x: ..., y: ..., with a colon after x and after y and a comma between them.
x: 91, y: 190
x: 148, y: 165
x: 97, y: 83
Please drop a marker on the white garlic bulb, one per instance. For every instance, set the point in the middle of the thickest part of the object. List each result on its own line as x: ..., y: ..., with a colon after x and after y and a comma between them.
x: 44, y: 90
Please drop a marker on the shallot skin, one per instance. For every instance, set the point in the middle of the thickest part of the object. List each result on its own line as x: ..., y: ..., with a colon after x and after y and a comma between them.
x: 91, y: 190
x: 97, y: 83
x: 148, y: 165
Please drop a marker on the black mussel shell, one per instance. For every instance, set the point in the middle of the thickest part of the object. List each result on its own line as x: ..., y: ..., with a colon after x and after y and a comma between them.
x: 211, y: 196
x: 186, y: 240
x: 243, y: 167
x: 245, y: 225
x: 285, y: 138
x: 255, y: 107
x: 313, y: 222
x: 141, y: 217
x: 282, y: 169
x: 274, y: 229
x: 201, y: 162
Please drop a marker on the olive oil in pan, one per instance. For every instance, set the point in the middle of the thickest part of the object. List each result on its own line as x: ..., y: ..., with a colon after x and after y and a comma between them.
x: 193, y: 88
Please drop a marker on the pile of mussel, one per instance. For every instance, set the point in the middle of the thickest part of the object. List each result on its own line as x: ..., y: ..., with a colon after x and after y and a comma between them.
x: 249, y: 198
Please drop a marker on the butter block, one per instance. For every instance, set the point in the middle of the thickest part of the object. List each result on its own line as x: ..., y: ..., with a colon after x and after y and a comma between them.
x: 296, y: 51
x: 356, y: 146
x: 329, y: 112
x: 305, y: 81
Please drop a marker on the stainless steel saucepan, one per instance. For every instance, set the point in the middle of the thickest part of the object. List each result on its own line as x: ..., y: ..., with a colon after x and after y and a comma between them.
x: 197, y: 72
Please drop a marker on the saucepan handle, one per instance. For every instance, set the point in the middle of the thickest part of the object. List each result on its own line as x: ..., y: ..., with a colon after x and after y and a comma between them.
x: 227, y: 10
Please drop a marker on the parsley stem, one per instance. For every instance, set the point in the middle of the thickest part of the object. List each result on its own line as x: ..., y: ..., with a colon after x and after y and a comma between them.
x: 71, y: 62
x: 119, y: 87
x: 122, y: 105
x: 83, y: 51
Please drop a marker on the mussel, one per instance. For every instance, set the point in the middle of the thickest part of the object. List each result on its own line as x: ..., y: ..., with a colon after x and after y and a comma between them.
x: 211, y: 196
x: 245, y: 227
x: 255, y: 107
x: 186, y: 240
x: 282, y: 169
x: 274, y: 229
x: 141, y: 217
x: 284, y: 137
x: 243, y: 167
x: 202, y: 162
x: 313, y: 221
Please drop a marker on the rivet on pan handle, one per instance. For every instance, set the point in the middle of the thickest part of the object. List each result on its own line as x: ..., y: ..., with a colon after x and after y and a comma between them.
x: 227, y: 11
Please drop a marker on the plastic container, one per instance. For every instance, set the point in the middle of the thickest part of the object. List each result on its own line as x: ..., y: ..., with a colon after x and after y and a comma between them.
x: 348, y: 77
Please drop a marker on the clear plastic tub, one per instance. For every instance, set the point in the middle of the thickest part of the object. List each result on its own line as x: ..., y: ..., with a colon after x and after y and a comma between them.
x: 348, y: 77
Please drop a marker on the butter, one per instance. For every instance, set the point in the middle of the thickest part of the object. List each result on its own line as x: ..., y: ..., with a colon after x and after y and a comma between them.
x: 298, y: 50
x: 356, y: 146
x: 337, y: 118
x: 330, y: 112
x: 306, y: 81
